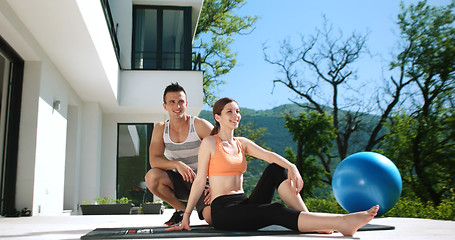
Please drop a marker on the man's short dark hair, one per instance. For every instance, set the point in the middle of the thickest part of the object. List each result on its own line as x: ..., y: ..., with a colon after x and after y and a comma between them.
x: 173, y: 87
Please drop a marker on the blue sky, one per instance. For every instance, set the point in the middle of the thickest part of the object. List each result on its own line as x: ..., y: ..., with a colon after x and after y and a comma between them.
x: 250, y: 82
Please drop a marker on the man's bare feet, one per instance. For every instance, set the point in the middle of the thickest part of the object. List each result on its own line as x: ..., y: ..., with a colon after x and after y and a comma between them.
x: 352, y: 222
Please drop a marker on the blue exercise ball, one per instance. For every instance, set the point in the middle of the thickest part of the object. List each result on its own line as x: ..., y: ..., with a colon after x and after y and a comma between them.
x: 365, y: 179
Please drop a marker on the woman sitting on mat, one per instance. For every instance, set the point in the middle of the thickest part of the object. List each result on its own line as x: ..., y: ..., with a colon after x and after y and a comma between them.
x: 222, y: 158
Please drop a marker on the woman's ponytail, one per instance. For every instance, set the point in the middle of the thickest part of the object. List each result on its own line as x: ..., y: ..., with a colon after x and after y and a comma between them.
x: 215, y: 129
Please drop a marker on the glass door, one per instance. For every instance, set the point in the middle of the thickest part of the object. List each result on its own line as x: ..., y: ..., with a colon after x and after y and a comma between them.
x: 132, y: 161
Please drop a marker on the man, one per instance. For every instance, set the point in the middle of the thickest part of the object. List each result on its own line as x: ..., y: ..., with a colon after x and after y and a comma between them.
x: 173, y: 155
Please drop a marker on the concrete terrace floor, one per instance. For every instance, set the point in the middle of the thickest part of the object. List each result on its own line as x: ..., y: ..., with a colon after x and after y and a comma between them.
x: 75, y: 226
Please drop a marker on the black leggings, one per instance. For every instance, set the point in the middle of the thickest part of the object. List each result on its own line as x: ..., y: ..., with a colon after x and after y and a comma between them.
x: 237, y: 212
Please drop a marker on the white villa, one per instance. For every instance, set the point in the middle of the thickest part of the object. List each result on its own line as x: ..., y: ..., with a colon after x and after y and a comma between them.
x: 77, y: 79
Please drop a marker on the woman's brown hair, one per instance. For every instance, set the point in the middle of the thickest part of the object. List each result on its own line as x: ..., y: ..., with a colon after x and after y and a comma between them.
x: 217, y: 108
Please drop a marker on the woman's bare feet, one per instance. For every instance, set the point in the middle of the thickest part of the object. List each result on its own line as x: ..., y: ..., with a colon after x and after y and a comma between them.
x: 352, y: 222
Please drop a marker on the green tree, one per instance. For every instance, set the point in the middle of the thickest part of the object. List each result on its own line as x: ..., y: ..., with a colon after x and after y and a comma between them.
x: 427, y: 173
x: 314, y: 134
x: 421, y: 141
x: 217, y: 26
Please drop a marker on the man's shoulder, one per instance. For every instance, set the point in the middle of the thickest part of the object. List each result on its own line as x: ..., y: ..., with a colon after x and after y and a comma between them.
x: 203, y: 127
x: 159, y: 126
x: 200, y: 122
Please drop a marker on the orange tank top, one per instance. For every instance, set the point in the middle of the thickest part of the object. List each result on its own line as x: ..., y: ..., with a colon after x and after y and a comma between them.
x: 224, y: 163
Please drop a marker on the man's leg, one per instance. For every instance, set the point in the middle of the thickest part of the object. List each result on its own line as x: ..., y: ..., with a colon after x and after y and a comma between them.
x: 160, y: 184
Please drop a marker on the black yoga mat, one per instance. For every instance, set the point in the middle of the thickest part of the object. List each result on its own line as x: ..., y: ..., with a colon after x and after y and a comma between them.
x: 198, y: 231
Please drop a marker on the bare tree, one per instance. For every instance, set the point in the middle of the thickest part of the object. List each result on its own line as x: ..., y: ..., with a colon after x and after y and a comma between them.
x: 331, y: 58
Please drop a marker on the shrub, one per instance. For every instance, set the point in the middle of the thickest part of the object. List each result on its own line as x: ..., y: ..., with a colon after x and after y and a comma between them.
x: 324, y: 205
x: 405, y: 207
x: 105, y: 200
x: 412, y: 208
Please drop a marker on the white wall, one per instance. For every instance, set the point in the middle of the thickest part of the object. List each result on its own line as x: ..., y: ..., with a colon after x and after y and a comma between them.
x: 50, y: 161
x: 72, y: 163
x: 90, y: 155
x: 50, y: 142
x: 42, y: 139
x: 27, y: 135
x: 144, y: 89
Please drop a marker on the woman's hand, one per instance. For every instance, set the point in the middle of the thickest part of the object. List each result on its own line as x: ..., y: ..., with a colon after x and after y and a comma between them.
x: 295, y: 179
x: 185, y: 225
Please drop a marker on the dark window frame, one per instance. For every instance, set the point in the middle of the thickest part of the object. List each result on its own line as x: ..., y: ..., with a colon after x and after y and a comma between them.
x: 11, y: 137
x: 187, y: 37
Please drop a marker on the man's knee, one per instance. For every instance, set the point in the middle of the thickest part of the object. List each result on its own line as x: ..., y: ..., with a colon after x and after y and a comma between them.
x: 155, y: 177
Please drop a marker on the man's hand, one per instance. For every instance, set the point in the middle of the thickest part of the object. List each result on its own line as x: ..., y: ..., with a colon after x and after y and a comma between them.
x: 187, y: 173
x: 207, y: 199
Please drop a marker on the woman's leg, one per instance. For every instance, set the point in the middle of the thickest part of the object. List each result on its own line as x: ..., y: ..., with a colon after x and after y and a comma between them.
x: 345, y: 224
x: 287, y: 193
x: 270, y: 180
x: 275, y: 177
x: 235, y: 212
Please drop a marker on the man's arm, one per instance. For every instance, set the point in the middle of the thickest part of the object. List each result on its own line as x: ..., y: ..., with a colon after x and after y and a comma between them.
x: 156, y: 149
x: 157, y: 159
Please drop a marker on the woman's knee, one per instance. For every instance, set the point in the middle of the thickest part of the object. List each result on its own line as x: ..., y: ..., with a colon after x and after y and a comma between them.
x: 277, y: 172
x: 275, y: 169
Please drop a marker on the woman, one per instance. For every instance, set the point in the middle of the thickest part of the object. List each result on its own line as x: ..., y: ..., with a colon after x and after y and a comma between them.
x: 222, y: 159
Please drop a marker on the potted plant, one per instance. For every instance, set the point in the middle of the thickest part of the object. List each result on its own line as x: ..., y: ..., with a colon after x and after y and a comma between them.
x: 152, y: 207
x: 107, y: 206
x: 136, y: 195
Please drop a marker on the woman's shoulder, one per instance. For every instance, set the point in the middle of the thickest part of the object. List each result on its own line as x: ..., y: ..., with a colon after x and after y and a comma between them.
x: 209, y: 140
x: 208, y: 144
x: 243, y: 140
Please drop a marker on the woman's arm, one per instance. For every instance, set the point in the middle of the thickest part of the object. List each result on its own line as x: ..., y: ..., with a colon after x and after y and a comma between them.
x: 198, y: 186
x: 256, y: 151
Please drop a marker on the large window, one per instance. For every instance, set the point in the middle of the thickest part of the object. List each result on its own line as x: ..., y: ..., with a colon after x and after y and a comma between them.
x: 132, y: 161
x: 161, y: 38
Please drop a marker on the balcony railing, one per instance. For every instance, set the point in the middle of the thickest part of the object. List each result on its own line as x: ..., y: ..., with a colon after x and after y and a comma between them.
x: 148, y: 60
x: 112, y: 28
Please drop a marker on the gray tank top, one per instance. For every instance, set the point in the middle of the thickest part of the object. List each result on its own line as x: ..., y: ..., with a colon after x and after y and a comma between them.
x: 186, y: 151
